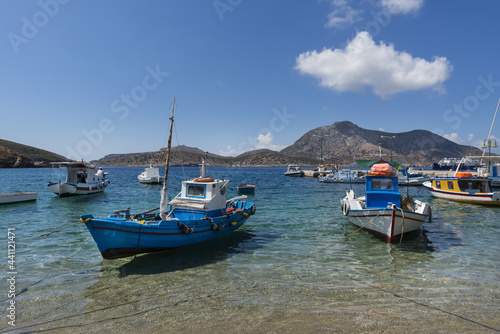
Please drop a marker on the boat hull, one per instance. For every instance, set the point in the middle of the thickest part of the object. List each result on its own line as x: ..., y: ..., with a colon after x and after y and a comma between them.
x: 389, y: 224
x: 246, y: 189
x: 119, y: 237
x: 413, y: 181
x: 294, y: 174
x: 64, y: 189
x: 150, y: 180
x: 17, y: 197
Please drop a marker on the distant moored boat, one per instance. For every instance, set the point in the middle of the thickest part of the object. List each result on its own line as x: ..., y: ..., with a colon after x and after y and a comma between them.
x: 246, y: 188
x: 17, y: 197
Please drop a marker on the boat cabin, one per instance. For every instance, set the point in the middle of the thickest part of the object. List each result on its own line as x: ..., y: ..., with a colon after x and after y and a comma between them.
x: 381, y: 191
x: 382, y: 186
x: 76, y: 172
x: 466, y: 184
x: 150, y: 172
x: 205, y: 195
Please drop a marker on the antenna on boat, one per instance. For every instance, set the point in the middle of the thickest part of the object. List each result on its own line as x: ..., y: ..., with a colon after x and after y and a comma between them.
x: 491, y: 128
x: 164, y: 197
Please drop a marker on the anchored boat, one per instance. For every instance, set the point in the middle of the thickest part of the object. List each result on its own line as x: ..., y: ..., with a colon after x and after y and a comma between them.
x: 198, y: 213
x: 346, y: 176
x: 294, y: 170
x: 150, y: 175
x: 383, y: 211
x: 17, y: 197
x: 246, y: 188
x: 464, y: 187
x: 81, y: 179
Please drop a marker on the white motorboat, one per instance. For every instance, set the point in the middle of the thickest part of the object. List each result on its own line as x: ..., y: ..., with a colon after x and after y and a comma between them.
x: 150, y: 175
x: 294, y: 170
x: 406, y: 178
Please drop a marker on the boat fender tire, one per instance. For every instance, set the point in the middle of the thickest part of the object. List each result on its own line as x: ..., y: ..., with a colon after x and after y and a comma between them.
x: 347, y: 208
x: 354, y: 177
x: 341, y: 179
x: 185, y: 229
x: 216, y: 227
x: 334, y: 178
x: 253, y: 209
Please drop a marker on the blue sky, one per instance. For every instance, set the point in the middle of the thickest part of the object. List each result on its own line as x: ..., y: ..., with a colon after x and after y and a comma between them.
x: 90, y: 78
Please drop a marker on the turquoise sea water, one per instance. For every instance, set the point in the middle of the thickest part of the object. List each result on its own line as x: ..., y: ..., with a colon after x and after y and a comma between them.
x: 289, y: 269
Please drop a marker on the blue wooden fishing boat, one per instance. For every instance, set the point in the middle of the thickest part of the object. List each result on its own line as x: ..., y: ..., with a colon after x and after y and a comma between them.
x: 383, y: 211
x: 200, y: 212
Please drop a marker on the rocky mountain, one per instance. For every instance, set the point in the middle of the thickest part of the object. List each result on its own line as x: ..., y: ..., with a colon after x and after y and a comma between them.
x: 189, y: 156
x: 15, y: 155
x: 340, y: 142
x: 344, y: 142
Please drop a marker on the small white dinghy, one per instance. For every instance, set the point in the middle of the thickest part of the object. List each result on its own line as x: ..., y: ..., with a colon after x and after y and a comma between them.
x: 17, y: 197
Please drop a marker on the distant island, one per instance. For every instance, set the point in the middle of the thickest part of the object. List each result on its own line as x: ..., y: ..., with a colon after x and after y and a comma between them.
x: 340, y: 143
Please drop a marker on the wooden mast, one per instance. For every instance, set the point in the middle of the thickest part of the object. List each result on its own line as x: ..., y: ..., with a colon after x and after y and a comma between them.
x: 164, y: 198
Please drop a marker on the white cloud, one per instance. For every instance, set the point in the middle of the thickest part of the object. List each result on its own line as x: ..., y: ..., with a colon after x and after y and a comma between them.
x: 266, y: 141
x: 261, y: 142
x: 343, y: 14
x: 230, y: 152
x: 365, y: 64
x: 454, y: 137
x: 402, y: 6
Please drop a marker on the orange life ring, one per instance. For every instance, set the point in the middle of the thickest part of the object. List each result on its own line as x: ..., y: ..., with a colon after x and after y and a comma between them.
x: 204, y: 179
x: 382, y: 169
x: 383, y: 173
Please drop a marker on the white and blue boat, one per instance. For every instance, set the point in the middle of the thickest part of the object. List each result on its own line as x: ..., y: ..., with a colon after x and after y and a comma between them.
x: 81, y: 179
x: 383, y: 211
x: 200, y: 212
x: 344, y: 176
x: 407, y: 178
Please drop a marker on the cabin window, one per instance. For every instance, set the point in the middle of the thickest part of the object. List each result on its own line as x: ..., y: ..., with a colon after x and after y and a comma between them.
x: 474, y: 186
x: 438, y: 184
x: 450, y: 185
x: 382, y: 184
x: 195, y: 191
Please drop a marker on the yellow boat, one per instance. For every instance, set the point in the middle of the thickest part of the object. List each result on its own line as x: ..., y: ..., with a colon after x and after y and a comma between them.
x: 463, y: 187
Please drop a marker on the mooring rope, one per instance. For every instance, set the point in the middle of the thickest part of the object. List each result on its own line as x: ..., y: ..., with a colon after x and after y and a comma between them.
x: 403, y: 227
x: 44, y: 234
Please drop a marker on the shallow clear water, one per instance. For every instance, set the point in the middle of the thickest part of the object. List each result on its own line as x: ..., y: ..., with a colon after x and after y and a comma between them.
x: 289, y: 269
